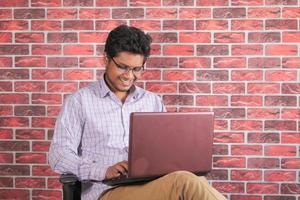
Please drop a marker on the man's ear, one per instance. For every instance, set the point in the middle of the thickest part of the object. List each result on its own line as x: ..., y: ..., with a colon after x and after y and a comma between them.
x: 105, y: 58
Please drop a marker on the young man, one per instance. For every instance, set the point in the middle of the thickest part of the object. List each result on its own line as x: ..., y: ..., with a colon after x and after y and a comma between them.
x: 91, y: 132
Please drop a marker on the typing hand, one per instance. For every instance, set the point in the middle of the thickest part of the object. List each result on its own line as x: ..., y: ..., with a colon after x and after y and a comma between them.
x: 117, y: 170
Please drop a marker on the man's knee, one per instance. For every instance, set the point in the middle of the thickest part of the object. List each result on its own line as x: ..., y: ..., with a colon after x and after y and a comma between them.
x: 184, y: 177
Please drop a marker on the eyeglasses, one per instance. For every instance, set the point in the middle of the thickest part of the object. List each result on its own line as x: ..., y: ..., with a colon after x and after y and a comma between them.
x: 126, y: 69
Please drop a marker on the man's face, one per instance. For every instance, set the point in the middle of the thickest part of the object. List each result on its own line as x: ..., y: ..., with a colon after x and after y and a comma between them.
x: 119, y: 79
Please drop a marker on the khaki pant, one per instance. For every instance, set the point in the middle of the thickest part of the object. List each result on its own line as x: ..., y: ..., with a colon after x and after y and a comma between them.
x: 180, y: 185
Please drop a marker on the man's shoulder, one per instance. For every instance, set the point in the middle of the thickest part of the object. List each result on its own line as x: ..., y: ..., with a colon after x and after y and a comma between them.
x: 87, y: 91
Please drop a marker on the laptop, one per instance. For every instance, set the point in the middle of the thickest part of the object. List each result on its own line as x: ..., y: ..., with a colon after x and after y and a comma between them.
x: 164, y: 142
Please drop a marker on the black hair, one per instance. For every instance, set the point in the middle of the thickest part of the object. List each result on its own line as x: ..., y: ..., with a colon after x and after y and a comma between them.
x: 127, y: 38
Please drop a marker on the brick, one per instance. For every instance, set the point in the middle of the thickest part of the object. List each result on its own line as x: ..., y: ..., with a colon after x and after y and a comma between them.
x: 45, y: 3
x: 178, y: 2
x: 118, y: 3
x: 251, y: 125
x: 162, y: 87
x: 290, y: 163
x: 50, y: 49
x: 291, y: 62
x: 78, y: 50
x: 220, y: 149
x: 280, y: 101
x: 166, y: 37
x: 151, y: 75
x: 161, y: 13
x: 280, y: 75
x: 14, y: 122
x: 5, y: 86
x: 45, y: 194
x: 80, y: 3
x: 229, y: 162
x: 62, y: 38
x: 29, y: 111
x: 53, y: 111
x: 211, y: 25
x: 6, y: 110
x: 186, y: 87
x: 6, y: 133
x: 229, y: 13
x: 282, y: 125
x: 280, y: 150
x: 264, y: 37
x: 178, y: 99
x: 5, y: 37
x: 247, y: 24
x: 249, y: 49
x: 216, y: 100
x: 291, y: 37
x: 15, y: 194
x: 30, y: 183
x: 62, y: 62
x: 217, y: 174
x: 290, y: 114
x: 43, y: 122
x: 246, y: 175
x: 10, y: 25
x: 6, y: 182
x: 263, y: 163
x: 291, y: 188
x: 281, y: 24
x: 108, y: 24
x: 85, y: 13
x: 14, y: 3
x: 45, y: 25
x: 193, y: 62
x: 192, y: 13
x: 53, y: 183
x: 6, y: 158
x: 22, y: 86
x: 146, y: 25
x: 231, y: 187
x: 44, y: 98
x: 47, y: 74
x: 61, y: 87
x: 275, y: 176
x: 78, y: 25
x: 262, y: 188
x: 203, y: 50
x: 280, y: 197
x: 14, y: 170
x: 5, y: 62
x: 14, y: 98
x: 228, y: 137
x: 39, y: 158
x: 263, y: 88
x: 232, y: 37
x: 212, y: 3
x: 264, y: 13
x: 281, y: 2
x: 228, y: 88
x: 245, y: 197
x: 90, y: 62
x: 263, y: 137
x: 247, y: 3
x: 127, y: 13
x: 287, y: 50
x: 246, y: 150
x: 183, y: 50
x: 264, y: 62
x: 246, y: 75
x: 88, y: 37
x: 249, y: 101
x: 42, y: 170
x: 194, y: 37
x: 41, y: 146
x: 178, y: 25
x: 14, y: 49
x: 30, y: 134
x: 145, y: 3
x: 78, y: 74
x: 232, y: 62
x: 30, y: 61
x: 62, y: 14
x: 292, y: 12
x: 178, y: 75
x: 5, y: 14
x: 263, y: 113
x: 221, y: 125
x: 29, y: 13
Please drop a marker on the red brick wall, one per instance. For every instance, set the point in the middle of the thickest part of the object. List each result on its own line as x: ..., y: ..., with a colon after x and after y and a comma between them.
x: 237, y: 58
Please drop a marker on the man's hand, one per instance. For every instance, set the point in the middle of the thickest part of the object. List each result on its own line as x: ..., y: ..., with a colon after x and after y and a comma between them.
x: 116, y: 170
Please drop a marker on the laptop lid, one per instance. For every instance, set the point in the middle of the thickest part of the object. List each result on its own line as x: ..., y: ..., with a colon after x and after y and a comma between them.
x: 163, y: 142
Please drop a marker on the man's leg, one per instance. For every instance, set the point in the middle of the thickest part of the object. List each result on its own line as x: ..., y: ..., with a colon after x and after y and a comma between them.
x: 180, y: 185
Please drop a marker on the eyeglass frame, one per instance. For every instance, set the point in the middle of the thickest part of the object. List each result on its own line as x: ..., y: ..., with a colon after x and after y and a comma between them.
x: 126, y: 69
